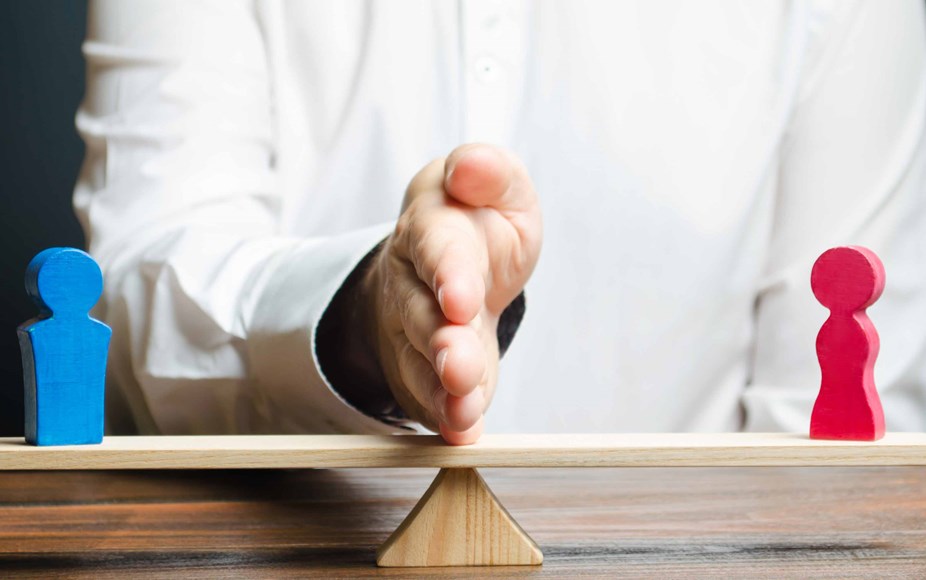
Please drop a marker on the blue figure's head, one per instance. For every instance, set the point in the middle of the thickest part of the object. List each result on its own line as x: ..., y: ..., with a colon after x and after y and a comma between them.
x: 64, y: 281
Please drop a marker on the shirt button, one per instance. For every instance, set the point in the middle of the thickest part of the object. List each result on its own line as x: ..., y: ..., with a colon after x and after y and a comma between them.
x: 492, y: 23
x: 486, y: 69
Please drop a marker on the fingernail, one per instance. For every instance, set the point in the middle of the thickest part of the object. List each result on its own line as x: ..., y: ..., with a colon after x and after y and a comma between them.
x: 440, y: 297
x: 441, y: 361
x: 440, y: 405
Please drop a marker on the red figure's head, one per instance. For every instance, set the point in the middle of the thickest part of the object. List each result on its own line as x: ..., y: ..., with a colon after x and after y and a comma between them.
x: 847, y: 279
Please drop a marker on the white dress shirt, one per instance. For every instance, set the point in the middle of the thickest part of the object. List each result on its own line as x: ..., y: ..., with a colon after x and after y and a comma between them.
x: 692, y: 159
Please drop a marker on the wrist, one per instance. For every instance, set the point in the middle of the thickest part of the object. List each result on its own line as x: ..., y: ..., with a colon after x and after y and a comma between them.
x: 347, y: 341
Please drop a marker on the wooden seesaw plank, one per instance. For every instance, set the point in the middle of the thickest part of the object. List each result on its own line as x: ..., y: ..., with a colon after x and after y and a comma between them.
x: 586, y: 450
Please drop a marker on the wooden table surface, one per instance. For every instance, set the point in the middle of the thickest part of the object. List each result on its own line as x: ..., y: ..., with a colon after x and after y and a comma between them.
x: 773, y: 522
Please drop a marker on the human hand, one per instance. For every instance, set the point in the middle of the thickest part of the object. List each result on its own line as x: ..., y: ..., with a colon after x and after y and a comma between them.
x: 464, y: 246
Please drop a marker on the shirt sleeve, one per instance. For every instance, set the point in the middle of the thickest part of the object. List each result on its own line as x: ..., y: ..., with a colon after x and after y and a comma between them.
x: 213, y: 310
x: 852, y: 171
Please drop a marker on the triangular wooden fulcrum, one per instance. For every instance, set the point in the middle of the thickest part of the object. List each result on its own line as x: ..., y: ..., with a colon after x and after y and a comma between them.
x: 459, y: 522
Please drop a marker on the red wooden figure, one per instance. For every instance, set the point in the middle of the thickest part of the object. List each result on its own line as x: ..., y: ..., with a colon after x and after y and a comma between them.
x: 847, y: 280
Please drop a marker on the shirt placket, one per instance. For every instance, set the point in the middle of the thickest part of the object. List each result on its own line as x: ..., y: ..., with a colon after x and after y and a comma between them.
x: 492, y: 44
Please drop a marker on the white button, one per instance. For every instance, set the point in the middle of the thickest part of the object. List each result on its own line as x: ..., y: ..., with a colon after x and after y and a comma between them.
x: 487, y: 69
x: 492, y: 23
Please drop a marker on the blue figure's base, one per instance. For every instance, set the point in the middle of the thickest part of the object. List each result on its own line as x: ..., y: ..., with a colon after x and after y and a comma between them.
x: 49, y: 441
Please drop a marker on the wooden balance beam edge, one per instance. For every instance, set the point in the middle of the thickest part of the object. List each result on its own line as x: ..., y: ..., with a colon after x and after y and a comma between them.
x: 587, y: 450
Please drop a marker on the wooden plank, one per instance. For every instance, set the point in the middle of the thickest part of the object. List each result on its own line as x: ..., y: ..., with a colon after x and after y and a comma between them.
x: 586, y: 450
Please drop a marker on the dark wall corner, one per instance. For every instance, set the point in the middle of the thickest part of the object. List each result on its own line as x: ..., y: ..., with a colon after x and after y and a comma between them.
x: 41, y: 84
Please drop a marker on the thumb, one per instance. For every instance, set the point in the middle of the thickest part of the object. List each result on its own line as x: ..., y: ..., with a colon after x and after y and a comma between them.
x: 482, y: 175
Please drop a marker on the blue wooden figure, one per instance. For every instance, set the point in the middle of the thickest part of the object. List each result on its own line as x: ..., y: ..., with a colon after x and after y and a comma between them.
x: 64, y: 350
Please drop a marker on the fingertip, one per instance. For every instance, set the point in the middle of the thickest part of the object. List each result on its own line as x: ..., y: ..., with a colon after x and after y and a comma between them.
x: 477, y: 174
x: 462, y: 366
x: 461, y: 297
x: 467, y: 437
x: 461, y: 413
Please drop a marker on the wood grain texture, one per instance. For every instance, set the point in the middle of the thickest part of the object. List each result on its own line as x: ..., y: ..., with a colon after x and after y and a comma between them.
x: 459, y: 522
x: 837, y: 523
x: 64, y: 350
x: 847, y: 280
x: 588, y: 450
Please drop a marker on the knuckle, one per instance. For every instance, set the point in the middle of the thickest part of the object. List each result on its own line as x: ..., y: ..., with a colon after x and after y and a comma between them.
x: 390, y: 287
x: 426, y: 243
x: 401, y: 226
x: 406, y: 374
x: 407, y: 353
x: 406, y: 306
x: 416, y: 374
x: 406, y: 363
x: 419, y: 230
